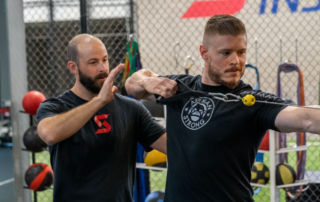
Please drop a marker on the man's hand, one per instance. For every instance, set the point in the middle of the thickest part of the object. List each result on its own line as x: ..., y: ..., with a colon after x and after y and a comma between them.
x: 108, y: 90
x: 144, y: 83
x: 161, y: 86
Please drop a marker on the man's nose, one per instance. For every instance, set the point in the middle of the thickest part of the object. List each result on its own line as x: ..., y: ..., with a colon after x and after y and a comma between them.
x: 234, y: 60
x: 102, y: 66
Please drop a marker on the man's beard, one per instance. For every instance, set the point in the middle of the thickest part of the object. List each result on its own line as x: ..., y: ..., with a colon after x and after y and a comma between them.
x: 216, y: 77
x: 90, y: 84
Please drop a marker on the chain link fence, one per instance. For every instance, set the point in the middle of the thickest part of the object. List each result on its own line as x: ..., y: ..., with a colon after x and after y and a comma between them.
x: 168, y: 31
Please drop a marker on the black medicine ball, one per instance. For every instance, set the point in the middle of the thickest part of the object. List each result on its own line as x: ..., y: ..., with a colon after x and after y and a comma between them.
x: 260, y: 173
x: 285, y: 174
x: 32, y: 140
x: 39, y: 176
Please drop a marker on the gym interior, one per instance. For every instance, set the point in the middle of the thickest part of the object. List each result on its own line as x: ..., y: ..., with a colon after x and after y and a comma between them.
x: 282, y: 59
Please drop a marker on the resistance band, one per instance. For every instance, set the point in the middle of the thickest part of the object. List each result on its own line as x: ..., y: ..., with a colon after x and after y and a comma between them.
x: 248, y: 98
x: 132, y: 61
x: 301, y: 136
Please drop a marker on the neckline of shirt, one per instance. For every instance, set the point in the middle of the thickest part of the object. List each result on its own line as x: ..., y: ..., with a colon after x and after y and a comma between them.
x: 220, y: 89
x: 77, y: 97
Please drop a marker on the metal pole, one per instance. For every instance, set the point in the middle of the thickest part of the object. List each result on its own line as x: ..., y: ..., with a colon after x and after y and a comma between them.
x: 131, y: 17
x: 274, y: 160
x: 52, y: 76
x: 297, y: 50
x: 35, y: 198
x: 18, y: 88
x: 0, y: 88
x: 256, y: 52
x: 83, y: 15
x: 280, y: 50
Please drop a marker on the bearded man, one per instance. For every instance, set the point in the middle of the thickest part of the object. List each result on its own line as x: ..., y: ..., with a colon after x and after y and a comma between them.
x: 92, y: 132
x: 212, y: 144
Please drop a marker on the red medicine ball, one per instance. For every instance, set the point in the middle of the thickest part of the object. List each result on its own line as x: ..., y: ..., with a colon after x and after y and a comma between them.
x: 39, y: 176
x: 31, y: 101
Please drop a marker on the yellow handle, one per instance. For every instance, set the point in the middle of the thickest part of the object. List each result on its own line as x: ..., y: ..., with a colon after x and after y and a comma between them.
x: 249, y: 100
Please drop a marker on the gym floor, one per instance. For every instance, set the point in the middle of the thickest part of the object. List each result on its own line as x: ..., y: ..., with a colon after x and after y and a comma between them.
x: 6, y: 175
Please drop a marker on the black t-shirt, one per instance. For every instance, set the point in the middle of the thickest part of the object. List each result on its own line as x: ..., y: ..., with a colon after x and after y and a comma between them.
x: 97, y: 163
x: 212, y: 144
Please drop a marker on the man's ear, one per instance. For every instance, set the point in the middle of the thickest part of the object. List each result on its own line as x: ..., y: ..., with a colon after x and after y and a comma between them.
x: 73, y: 67
x: 203, y: 52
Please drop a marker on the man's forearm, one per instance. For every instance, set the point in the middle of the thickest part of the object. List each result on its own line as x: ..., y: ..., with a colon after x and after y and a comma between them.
x: 312, y: 120
x: 161, y: 144
x: 144, y: 84
x: 57, y: 128
x: 296, y: 119
x: 135, y: 84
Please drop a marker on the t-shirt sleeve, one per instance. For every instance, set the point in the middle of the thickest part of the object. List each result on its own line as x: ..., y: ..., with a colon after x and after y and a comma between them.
x: 49, y: 108
x: 266, y: 114
x: 150, y: 130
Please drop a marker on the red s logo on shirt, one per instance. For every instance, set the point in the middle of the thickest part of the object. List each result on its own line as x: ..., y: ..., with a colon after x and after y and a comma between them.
x: 104, y: 123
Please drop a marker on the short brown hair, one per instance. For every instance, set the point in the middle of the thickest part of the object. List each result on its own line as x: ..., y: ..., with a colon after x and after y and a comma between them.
x: 223, y: 25
x: 73, y: 53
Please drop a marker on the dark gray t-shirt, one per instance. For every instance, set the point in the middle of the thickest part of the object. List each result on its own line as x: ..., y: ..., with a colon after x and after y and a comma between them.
x: 97, y: 163
x: 212, y: 144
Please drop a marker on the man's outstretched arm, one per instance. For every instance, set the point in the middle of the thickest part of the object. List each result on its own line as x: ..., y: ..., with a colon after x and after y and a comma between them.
x: 143, y: 84
x: 295, y: 119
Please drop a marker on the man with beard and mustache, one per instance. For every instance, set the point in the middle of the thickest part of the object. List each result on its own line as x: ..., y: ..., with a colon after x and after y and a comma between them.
x: 210, y: 157
x: 92, y: 132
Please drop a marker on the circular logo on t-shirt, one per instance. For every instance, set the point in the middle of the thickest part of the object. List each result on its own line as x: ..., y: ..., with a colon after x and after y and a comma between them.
x: 197, y: 112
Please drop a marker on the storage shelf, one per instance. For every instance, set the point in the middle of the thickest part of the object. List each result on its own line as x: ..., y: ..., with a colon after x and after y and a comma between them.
x: 263, y: 151
x: 285, y: 150
x: 260, y: 185
x: 143, y: 166
x: 296, y: 183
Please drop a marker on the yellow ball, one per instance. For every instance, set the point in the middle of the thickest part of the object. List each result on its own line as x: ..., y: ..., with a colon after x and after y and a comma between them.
x: 249, y: 100
x: 156, y: 158
x: 260, y: 173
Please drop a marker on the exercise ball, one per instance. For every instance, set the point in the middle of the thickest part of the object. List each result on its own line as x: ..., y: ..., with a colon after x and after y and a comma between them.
x: 156, y: 158
x: 32, y: 140
x: 260, y: 173
x: 39, y: 176
x: 31, y: 101
x: 156, y: 196
x: 285, y: 174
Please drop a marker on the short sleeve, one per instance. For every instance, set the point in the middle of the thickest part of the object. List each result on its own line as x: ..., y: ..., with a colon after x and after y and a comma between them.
x: 266, y: 114
x: 149, y: 129
x: 49, y: 108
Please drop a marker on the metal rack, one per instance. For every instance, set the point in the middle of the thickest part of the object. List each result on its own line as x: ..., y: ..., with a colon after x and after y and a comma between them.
x: 274, y: 152
x: 35, y: 198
